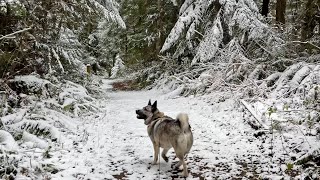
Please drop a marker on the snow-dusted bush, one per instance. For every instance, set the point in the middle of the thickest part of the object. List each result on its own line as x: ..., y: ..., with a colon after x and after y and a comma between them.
x: 57, y: 43
x: 32, y: 84
x: 7, y: 142
x: 118, y: 68
x: 38, y: 118
x: 75, y: 98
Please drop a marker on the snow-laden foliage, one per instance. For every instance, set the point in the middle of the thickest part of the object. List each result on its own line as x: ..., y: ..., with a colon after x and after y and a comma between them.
x: 44, y: 109
x: 7, y: 142
x: 34, y: 141
x: 76, y: 99
x: 38, y: 127
x: 231, y: 48
x: 227, y: 46
x: 148, y: 24
x: 298, y: 77
x: 204, y: 27
x: 104, y: 12
x: 190, y: 14
x: 209, y: 46
x: 32, y: 84
x: 110, y: 10
x: 105, y: 44
x: 58, y: 41
x: 44, y: 83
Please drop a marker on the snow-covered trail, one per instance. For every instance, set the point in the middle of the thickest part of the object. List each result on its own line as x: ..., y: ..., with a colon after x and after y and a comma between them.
x: 114, y: 144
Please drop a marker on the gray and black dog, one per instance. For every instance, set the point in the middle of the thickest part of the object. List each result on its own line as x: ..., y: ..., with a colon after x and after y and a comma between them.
x: 166, y: 132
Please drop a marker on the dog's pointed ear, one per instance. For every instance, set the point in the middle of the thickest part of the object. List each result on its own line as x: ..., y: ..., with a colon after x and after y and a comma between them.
x: 154, y: 105
x: 149, y: 103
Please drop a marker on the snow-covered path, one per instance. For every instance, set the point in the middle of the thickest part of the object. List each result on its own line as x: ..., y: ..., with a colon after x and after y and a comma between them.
x: 114, y: 144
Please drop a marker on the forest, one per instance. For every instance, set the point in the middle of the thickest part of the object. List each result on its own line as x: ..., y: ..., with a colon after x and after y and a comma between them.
x: 73, y: 72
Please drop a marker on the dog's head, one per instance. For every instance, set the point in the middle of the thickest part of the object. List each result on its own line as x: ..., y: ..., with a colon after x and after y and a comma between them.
x: 147, y: 112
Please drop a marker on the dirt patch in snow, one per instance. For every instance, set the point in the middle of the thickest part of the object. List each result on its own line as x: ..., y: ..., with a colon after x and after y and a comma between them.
x: 127, y: 85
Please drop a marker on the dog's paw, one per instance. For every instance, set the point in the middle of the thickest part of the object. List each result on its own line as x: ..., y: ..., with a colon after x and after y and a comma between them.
x: 185, y: 174
x: 165, y: 158
x: 180, y: 167
x: 154, y: 163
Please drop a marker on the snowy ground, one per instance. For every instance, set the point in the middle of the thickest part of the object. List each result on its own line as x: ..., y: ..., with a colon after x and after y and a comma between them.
x: 113, y: 144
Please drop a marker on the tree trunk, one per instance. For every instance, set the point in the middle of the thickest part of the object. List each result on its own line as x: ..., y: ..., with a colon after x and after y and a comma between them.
x: 159, y: 26
x: 281, y: 11
x: 265, y: 8
x: 309, y: 20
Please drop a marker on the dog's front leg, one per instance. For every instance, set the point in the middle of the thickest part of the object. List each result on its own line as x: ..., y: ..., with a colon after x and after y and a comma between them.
x: 156, y: 154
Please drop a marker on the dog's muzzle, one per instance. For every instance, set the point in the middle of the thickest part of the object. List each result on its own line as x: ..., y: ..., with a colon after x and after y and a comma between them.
x: 140, y: 114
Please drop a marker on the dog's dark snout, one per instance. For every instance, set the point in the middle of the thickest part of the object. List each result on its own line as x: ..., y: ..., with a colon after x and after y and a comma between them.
x: 137, y: 111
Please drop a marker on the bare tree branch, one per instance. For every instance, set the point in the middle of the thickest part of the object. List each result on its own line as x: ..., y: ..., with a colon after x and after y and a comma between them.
x: 306, y: 42
x: 17, y: 32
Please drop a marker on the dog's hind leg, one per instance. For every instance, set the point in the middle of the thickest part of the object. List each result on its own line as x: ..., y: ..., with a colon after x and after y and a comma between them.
x: 181, y: 158
x: 178, y: 165
x: 163, y: 154
x: 156, y: 153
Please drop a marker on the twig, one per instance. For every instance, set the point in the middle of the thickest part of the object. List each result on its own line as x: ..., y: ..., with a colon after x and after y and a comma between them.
x: 199, y: 33
x: 17, y: 32
x: 264, y: 49
x: 245, y: 104
x: 306, y: 42
x: 303, y: 135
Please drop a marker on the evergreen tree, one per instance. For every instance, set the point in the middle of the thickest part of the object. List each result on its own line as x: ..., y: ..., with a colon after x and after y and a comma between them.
x: 148, y: 23
x: 118, y: 67
x: 58, y: 38
x: 310, y: 18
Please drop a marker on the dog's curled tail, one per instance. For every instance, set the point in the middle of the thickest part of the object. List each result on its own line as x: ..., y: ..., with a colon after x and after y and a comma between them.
x: 184, y: 121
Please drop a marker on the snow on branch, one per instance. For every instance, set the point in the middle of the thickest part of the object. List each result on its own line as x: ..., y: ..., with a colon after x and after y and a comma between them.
x: 37, y: 127
x: 7, y: 142
x: 250, y: 109
x: 110, y: 11
x: 210, y: 44
x: 233, y: 19
x: 282, y: 86
x: 191, y: 13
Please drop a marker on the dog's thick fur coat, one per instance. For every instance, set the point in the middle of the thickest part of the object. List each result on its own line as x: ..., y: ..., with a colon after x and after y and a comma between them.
x: 166, y: 132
